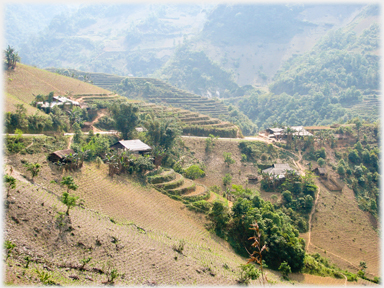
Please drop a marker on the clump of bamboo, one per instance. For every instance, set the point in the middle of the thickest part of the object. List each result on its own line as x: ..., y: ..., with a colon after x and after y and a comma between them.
x: 256, y: 254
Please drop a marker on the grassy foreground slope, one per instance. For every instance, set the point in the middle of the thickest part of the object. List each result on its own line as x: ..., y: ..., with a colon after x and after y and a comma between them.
x: 25, y: 81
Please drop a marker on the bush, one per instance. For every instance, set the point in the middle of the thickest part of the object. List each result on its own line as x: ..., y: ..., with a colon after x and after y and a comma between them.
x: 193, y: 172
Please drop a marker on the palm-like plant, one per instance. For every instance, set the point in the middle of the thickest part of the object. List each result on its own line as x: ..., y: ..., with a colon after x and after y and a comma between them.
x: 33, y: 168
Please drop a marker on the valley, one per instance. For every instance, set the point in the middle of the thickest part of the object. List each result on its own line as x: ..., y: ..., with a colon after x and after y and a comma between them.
x: 200, y: 144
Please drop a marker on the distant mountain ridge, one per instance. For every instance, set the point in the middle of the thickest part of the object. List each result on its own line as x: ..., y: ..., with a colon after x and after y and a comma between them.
x: 139, y: 39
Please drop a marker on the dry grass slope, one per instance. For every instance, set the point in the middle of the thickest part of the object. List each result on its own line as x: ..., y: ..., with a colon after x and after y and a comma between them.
x: 25, y: 81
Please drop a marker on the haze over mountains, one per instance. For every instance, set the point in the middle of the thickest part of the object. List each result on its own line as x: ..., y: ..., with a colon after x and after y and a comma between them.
x: 251, y: 41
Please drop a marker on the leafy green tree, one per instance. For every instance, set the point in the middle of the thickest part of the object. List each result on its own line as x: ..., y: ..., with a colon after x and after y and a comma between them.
x: 321, y: 162
x: 219, y: 215
x: 287, y: 196
x: 193, y: 172
x: 341, y: 170
x: 227, y: 179
x: 77, y: 130
x: 33, y: 168
x: 162, y: 131
x: 228, y: 158
x: 126, y: 117
x: 10, y: 181
x: 11, y: 57
x: 285, y: 269
x: 358, y: 125
x: 69, y: 182
x: 69, y: 201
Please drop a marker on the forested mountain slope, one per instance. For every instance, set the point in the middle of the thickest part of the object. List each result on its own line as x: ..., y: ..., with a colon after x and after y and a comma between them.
x: 250, y: 40
x: 336, y: 81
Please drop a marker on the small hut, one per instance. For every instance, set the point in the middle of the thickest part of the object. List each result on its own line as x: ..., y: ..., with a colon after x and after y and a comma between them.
x: 136, y: 146
x: 58, y: 156
x: 322, y: 172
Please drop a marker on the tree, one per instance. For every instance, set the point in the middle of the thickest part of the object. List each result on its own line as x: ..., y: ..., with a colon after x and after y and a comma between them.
x: 161, y: 131
x: 341, y: 170
x: 11, y: 57
x: 227, y: 179
x: 10, y: 182
x: 33, y: 168
x: 219, y: 215
x: 70, y: 183
x: 321, y: 162
x: 228, y: 158
x: 77, y: 130
x: 285, y: 269
x: 358, y: 125
x: 125, y: 116
x: 69, y: 201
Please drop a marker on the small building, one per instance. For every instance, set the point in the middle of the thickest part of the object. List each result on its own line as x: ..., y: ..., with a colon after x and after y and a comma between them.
x: 322, y: 172
x: 279, y: 133
x: 58, y: 101
x: 278, y: 170
x: 141, y: 129
x: 58, y: 156
x: 135, y: 146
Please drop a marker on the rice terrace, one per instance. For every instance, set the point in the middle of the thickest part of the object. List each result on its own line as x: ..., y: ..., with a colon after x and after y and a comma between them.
x: 194, y: 144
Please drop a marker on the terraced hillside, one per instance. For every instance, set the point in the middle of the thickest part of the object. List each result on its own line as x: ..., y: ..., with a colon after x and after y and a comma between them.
x: 368, y: 108
x: 103, y: 80
x: 169, y: 95
x: 193, y: 123
x: 179, y: 98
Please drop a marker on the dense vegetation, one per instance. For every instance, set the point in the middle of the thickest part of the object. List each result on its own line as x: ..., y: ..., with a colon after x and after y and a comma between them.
x: 278, y: 231
x: 323, y: 85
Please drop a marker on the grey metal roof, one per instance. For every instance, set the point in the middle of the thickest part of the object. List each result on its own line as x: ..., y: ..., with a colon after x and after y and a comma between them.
x: 135, y: 145
x: 278, y: 170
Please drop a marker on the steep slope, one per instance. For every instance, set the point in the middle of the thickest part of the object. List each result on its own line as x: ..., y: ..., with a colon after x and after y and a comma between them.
x: 25, y: 82
x: 145, y: 223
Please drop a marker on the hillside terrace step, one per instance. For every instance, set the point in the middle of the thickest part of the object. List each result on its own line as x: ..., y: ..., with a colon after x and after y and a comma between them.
x: 187, y: 187
x: 177, y: 182
x: 199, y: 191
x: 204, y: 122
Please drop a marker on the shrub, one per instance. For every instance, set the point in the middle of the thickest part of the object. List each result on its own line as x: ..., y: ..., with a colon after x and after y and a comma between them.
x: 228, y: 158
x: 193, y: 172
x: 285, y: 269
x: 248, y: 273
x: 179, y: 248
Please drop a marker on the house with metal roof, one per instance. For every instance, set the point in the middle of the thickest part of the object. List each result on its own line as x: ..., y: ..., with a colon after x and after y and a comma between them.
x: 135, y: 146
x: 278, y: 170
